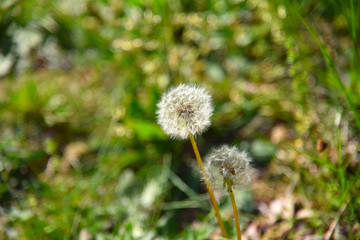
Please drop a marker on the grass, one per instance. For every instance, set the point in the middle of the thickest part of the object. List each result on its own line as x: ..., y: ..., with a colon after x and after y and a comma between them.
x: 81, y: 155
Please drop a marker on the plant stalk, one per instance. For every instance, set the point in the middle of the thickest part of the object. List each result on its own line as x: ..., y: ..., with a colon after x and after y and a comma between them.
x: 236, y: 215
x: 210, y: 191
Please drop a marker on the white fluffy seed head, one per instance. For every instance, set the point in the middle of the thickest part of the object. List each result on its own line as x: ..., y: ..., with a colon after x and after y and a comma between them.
x: 184, y: 110
x: 228, y: 167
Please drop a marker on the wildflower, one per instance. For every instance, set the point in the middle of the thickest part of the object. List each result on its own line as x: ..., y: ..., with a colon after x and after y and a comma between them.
x: 228, y: 167
x: 185, y: 110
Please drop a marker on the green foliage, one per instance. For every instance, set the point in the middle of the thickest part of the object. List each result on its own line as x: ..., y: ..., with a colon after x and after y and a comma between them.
x: 81, y: 155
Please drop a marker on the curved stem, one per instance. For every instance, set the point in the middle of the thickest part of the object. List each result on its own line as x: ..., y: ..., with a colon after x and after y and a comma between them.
x: 211, y: 193
x: 236, y: 215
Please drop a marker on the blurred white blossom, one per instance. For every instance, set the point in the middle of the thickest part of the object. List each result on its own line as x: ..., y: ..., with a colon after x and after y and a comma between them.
x: 228, y: 167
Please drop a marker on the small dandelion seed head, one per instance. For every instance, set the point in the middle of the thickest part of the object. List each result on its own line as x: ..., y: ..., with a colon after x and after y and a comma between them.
x: 184, y: 110
x: 227, y: 166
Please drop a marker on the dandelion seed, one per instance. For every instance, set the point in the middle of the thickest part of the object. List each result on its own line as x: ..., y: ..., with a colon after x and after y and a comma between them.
x: 185, y: 110
x: 228, y: 167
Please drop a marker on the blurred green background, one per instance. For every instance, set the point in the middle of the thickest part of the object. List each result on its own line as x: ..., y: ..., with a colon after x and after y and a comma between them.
x: 81, y: 155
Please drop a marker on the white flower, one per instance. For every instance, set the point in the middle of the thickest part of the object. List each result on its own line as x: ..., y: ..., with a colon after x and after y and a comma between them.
x: 227, y: 166
x: 184, y: 110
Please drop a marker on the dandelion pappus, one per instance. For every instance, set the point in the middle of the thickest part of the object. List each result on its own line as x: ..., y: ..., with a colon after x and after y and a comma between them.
x: 227, y: 171
x: 184, y: 110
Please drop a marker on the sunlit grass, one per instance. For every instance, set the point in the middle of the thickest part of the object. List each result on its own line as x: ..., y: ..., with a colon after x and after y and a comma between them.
x: 81, y: 154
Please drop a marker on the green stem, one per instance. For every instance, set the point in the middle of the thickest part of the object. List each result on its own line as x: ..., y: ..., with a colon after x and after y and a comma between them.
x: 236, y: 215
x: 210, y: 191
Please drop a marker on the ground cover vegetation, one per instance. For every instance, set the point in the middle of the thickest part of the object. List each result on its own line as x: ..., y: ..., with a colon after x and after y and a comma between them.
x: 82, y: 155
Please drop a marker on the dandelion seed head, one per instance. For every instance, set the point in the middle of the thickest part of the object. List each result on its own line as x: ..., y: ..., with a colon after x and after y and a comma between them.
x: 227, y: 166
x: 184, y: 110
